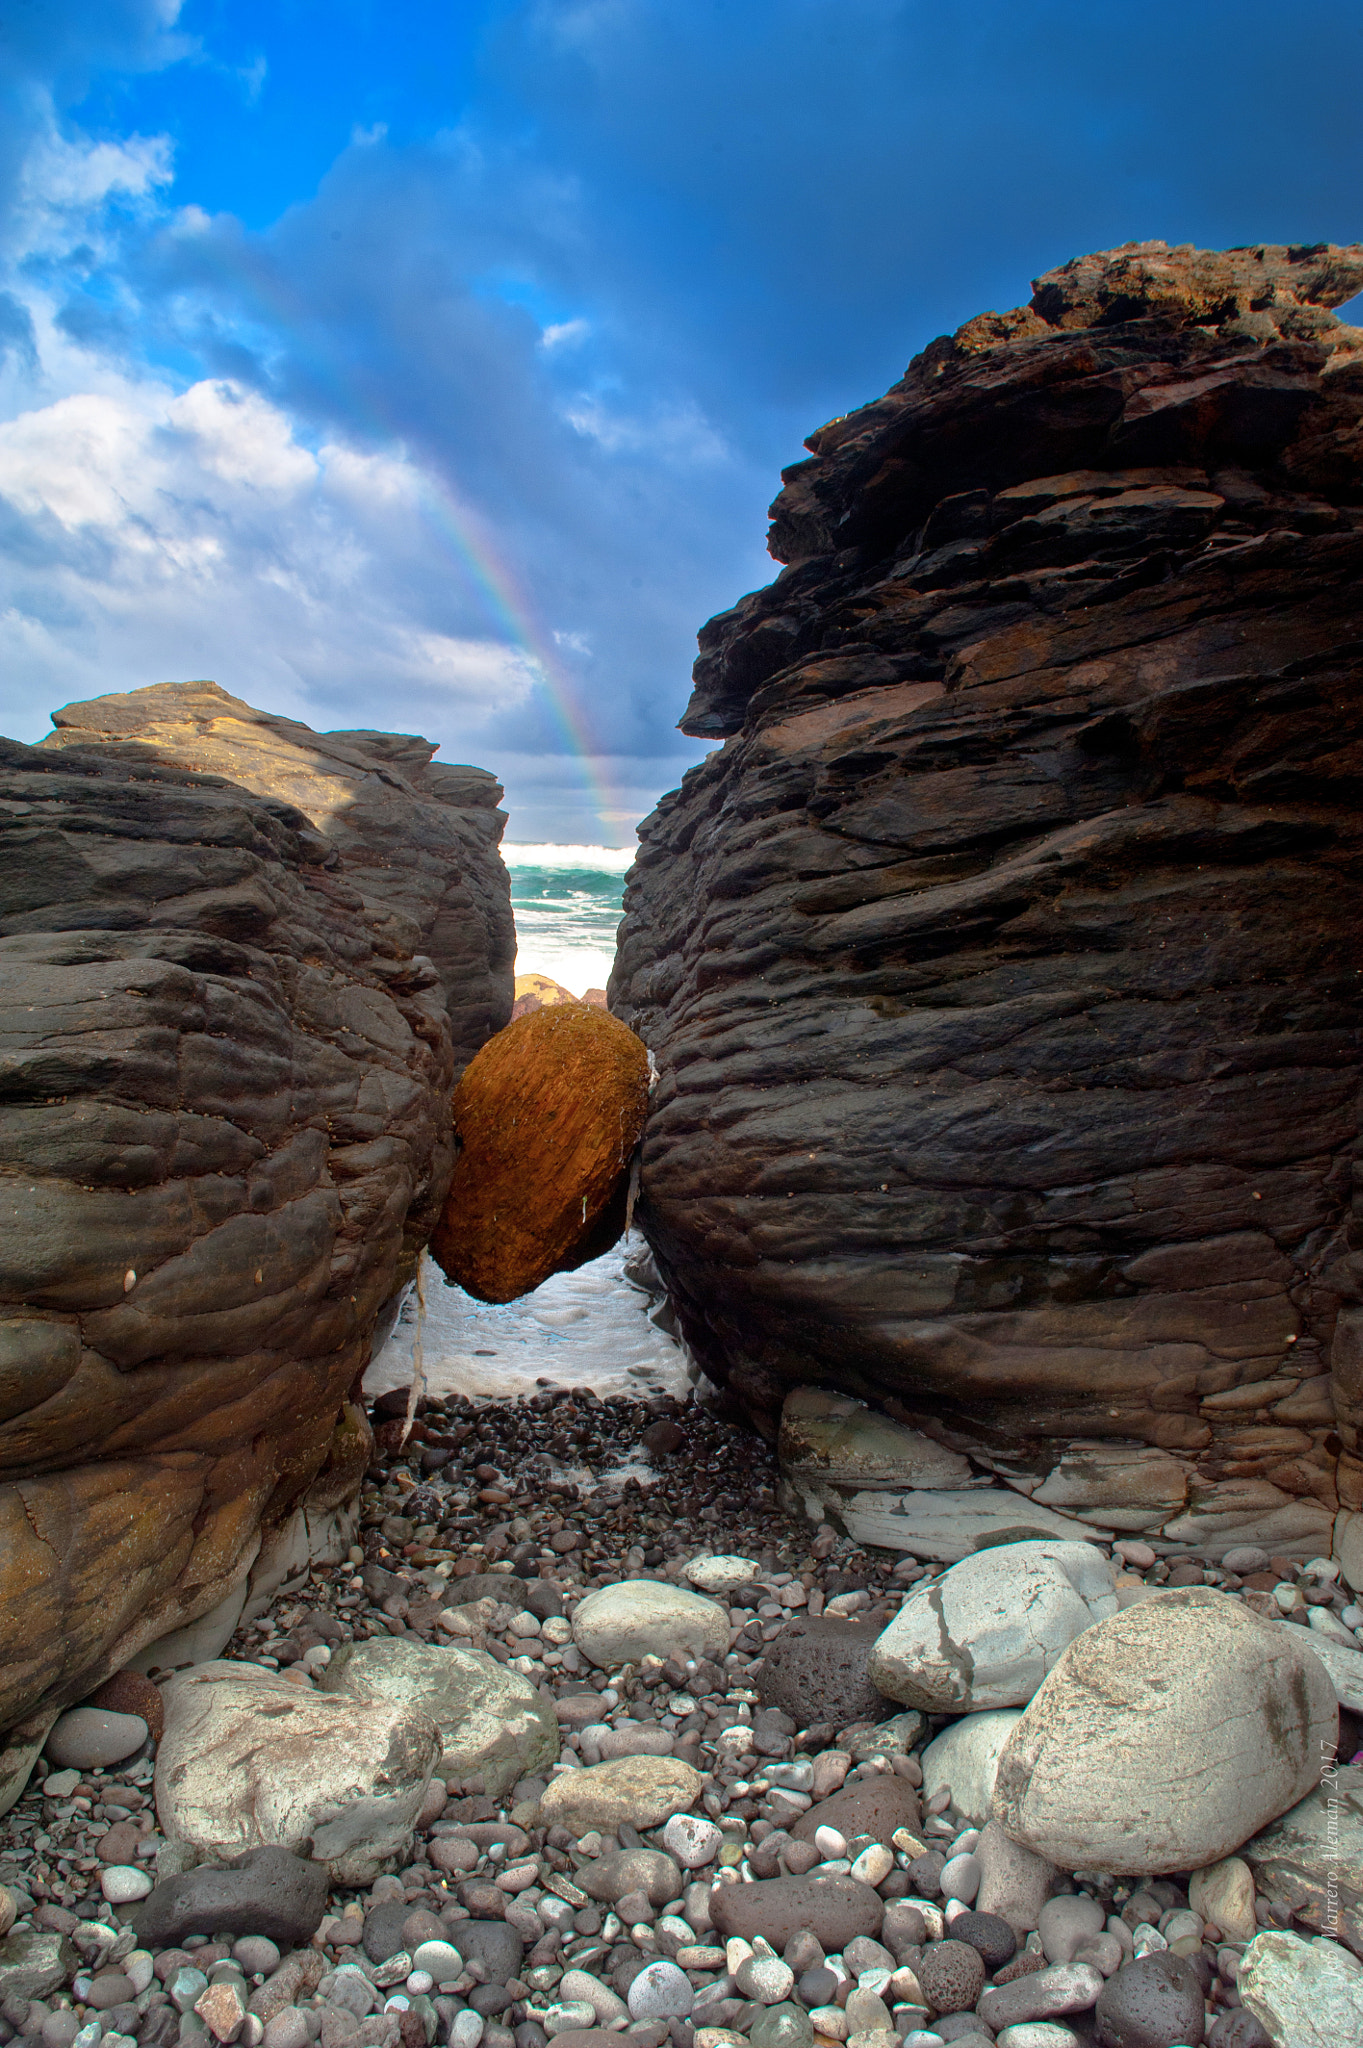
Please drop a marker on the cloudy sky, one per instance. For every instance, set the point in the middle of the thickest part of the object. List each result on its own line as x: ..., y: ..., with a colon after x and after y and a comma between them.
x: 428, y: 364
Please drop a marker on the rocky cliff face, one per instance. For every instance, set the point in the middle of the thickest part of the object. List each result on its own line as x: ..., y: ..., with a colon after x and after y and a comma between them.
x: 225, y: 1073
x: 1002, y: 965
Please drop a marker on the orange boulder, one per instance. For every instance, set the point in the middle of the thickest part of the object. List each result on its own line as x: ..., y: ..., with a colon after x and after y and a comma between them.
x: 547, y: 1116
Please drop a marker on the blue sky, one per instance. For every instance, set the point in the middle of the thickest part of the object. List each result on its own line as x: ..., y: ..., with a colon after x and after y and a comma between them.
x: 430, y: 367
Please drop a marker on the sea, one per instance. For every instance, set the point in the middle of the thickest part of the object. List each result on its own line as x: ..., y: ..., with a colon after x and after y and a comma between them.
x: 567, y: 902
x: 592, y: 1328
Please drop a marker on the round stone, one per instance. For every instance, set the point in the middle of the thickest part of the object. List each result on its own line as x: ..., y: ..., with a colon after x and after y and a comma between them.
x: 440, y: 1960
x: 567, y: 2015
x: 961, y: 1878
x: 829, y: 1843
x: 660, y: 1992
x: 692, y: 1840
x: 257, y: 1954
x: 1038, y: 2034
x: 874, y: 1864
x: 109, y: 1988
x: 419, y: 1982
x: 466, y: 2029
x: 91, y: 1738
x: 782, y: 2026
x: 121, y: 1884
x: 1065, y: 1922
x: 288, y: 2029
x: 951, y: 1974
x: 641, y: 1618
x: 721, y: 1574
x: 765, y: 1977
x: 1150, y: 2003
x: 990, y: 1934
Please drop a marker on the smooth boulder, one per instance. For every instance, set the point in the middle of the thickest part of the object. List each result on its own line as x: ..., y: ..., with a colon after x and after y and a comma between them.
x: 270, y: 1892
x: 642, y: 1790
x: 493, y: 1724
x: 250, y: 1758
x: 548, y: 1115
x: 985, y: 1634
x: 1164, y: 1738
x: 965, y: 1756
x: 834, y: 1909
x: 642, y: 1618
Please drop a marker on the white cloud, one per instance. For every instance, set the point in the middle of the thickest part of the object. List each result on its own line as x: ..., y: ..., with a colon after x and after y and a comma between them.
x: 673, y: 433
x: 564, y: 333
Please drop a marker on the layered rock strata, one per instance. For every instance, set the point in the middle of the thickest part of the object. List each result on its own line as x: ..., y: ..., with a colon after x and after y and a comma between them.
x: 1002, y: 965
x: 225, y: 1072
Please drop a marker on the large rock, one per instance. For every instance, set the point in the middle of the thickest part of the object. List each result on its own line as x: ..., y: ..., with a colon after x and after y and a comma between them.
x: 548, y: 1116
x: 493, y: 1724
x: 267, y: 1891
x: 816, y: 1670
x: 250, y: 1758
x: 1164, y: 1738
x: 1002, y: 1079
x: 644, y: 1617
x: 965, y: 1756
x: 1309, y: 1994
x: 827, y: 1437
x: 226, y: 1062
x: 640, y: 1790
x: 986, y: 1633
x: 1312, y: 1856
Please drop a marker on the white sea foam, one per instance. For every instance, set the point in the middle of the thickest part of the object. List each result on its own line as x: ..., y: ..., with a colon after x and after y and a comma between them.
x: 610, y: 860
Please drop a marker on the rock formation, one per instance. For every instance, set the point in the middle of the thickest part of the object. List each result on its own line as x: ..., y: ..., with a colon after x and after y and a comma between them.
x: 1002, y: 965
x: 547, y: 1119
x: 224, y: 1139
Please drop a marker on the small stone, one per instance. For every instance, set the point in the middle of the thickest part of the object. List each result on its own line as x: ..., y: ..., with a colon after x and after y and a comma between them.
x: 660, y: 1992
x: 721, y: 1575
x: 874, y: 1864
x: 613, y: 1876
x: 871, y: 1806
x: 1063, y: 1923
x: 639, y: 1618
x: 1014, y: 1883
x: 642, y: 1790
x: 960, y: 1878
x: 764, y: 1976
x: 130, y: 1692
x: 782, y: 2026
x: 123, y: 1885
x: 692, y: 1840
x: 567, y: 2015
x: 185, y: 1987
x: 288, y: 2029
x: 222, y: 2010
x: 829, y: 1842
x: 1035, y: 2034
x: 440, y: 1960
x: 989, y: 1933
x: 60, y: 1784
x: 1154, y: 1998
x: 1043, y: 1994
x: 834, y: 1909
x: 92, y: 1738
x: 466, y: 2029
x: 257, y: 1954
x: 951, y: 1974
x: 109, y: 1988
x: 34, y: 1962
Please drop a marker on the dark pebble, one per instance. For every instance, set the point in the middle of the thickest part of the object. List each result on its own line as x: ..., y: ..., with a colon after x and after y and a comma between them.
x: 952, y: 1974
x: 1238, y: 2029
x: 1151, y: 2003
x: 493, y: 1944
x: 818, y: 1987
x: 268, y: 1891
x: 873, y: 1806
x: 383, y: 1925
x: 925, y: 1874
x: 816, y: 1671
x: 990, y: 1934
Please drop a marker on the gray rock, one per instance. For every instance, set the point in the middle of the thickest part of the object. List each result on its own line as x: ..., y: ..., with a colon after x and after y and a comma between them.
x: 1061, y: 1988
x: 834, y: 1909
x: 1014, y: 1882
x: 32, y: 1963
x: 828, y: 1437
x: 1197, y: 1721
x: 1065, y: 1923
x: 611, y: 1876
x: 946, y: 1526
x: 1155, y: 1998
x: 1344, y: 1665
x: 89, y: 1738
x: 493, y: 1723
x: 641, y: 1617
x: 493, y: 1944
x: 248, y: 1759
x: 1312, y: 1855
x: 986, y: 1633
x: 268, y: 1892
x: 660, y: 1992
x: 965, y: 1756
x: 721, y: 1576
x: 1308, y: 1994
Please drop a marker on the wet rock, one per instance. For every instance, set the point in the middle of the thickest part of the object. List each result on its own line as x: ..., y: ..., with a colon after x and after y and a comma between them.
x: 1198, y: 1722
x: 493, y: 1724
x: 641, y: 1618
x: 548, y: 1114
x: 986, y: 1633
x: 250, y: 1760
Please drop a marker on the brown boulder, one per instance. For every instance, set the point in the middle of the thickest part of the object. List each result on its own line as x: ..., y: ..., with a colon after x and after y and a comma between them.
x: 873, y: 1806
x: 835, y: 1909
x: 129, y: 1692
x: 547, y: 1117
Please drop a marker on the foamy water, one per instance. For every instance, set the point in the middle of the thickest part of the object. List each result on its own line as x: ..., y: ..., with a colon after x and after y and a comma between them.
x: 567, y: 905
x: 585, y: 1329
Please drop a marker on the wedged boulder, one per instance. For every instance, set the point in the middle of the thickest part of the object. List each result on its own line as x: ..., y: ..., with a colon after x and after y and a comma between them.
x: 224, y: 1139
x: 1308, y: 1994
x: 1312, y: 1856
x: 492, y: 1722
x: 1164, y: 1738
x: 547, y: 1117
x: 986, y: 1632
x: 1002, y: 1079
x: 249, y: 1759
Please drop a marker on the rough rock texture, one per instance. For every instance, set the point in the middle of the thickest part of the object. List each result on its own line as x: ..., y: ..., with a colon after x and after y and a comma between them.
x: 1001, y: 966
x: 1313, y: 1856
x: 548, y: 1118
x: 1197, y: 1722
x: 225, y: 1067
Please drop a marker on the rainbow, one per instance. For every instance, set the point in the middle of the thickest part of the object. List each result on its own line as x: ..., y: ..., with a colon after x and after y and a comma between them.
x: 461, y: 532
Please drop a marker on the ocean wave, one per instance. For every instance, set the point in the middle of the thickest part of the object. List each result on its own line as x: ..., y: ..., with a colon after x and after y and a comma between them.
x: 605, y: 859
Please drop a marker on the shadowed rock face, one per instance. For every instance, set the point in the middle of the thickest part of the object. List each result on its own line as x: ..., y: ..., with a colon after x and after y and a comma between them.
x: 1002, y: 965
x: 225, y: 1073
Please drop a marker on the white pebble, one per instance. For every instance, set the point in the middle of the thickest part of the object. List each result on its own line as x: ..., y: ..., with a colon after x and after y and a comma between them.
x: 121, y: 1884
x: 466, y: 2029
x: 419, y: 1982
x: 829, y: 1842
x: 566, y: 2015
x: 439, y: 1960
x: 874, y: 1864
x: 693, y: 1840
x: 661, y: 1992
x: 961, y: 1878
x: 139, y: 1968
